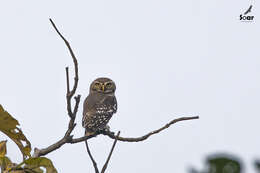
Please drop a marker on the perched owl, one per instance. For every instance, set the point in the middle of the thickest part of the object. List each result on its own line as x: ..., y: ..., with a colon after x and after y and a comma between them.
x: 99, y: 106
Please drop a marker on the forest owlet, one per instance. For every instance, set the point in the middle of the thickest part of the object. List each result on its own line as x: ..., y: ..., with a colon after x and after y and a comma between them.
x: 99, y: 106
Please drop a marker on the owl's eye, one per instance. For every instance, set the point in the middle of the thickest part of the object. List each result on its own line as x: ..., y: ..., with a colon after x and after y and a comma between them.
x: 96, y: 86
x: 108, y: 85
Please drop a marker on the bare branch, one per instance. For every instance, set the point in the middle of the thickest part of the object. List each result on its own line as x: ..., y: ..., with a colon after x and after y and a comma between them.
x: 67, y: 137
x: 142, y: 138
x: 138, y: 139
x: 91, y: 157
x: 108, y: 158
x: 76, y: 78
x: 110, y: 153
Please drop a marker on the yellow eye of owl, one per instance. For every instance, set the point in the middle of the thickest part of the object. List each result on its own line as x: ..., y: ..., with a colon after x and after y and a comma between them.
x: 109, y: 85
x: 96, y: 85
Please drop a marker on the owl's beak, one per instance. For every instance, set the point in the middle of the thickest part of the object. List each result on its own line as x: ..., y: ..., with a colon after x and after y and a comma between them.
x: 103, y: 88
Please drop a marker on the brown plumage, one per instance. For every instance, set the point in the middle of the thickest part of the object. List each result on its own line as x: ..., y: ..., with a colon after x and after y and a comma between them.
x: 99, y: 106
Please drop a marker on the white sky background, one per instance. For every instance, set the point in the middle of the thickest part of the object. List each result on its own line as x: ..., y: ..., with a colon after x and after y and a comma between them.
x: 168, y: 58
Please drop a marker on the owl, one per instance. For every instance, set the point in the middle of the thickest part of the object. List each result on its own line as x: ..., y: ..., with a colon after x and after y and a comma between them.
x: 99, y: 106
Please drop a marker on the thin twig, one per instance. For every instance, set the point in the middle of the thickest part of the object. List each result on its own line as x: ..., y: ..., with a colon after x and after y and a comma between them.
x: 67, y: 79
x: 76, y: 78
x: 138, y: 139
x: 68, y: 91
x: 77, y: 100
x: 91, y: 157
x: 110, y: 153
x: 73, y: 57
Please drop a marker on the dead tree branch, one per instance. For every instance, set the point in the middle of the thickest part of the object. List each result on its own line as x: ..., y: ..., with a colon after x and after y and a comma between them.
x: 110, y: 153
x: 108, y: 158
x: 76, y: 78
x: 112, y: 135
x: 91, y: 158
x: 138, y: 139
x: 70, y: 93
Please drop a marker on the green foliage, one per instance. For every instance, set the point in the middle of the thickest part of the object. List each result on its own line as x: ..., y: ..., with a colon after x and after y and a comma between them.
x: 5, y: 162
x: 224, y: 165
x: 2, y: 148
x: 221, y: 163
x: 35, y: 163
x: 8, y: 125
x: 257, y: 165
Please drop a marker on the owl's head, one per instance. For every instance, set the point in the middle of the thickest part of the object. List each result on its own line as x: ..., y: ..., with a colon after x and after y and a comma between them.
x: 103, y: 85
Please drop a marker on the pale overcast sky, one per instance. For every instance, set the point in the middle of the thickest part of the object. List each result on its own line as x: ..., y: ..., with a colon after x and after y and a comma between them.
x: 168, y: 58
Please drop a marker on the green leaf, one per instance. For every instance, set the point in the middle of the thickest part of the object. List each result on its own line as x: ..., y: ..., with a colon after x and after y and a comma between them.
x: 3, y: 148
x: 224, y: 163
x: 35, y: 163
x: 5, y: 162
x: 8, y: 125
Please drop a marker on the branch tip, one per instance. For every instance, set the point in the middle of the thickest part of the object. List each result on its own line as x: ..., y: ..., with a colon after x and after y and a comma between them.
x: 142, y: 138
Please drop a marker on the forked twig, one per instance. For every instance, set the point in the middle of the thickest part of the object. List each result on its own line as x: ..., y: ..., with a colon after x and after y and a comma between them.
x: 110, y: 153
x: 108, y: 157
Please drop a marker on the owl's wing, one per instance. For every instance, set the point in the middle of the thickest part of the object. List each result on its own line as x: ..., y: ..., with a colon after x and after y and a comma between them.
x: 98, y: 111
x: 89, y: 103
